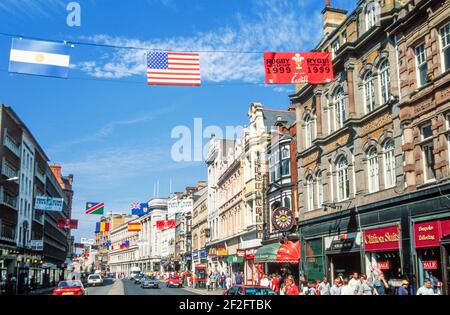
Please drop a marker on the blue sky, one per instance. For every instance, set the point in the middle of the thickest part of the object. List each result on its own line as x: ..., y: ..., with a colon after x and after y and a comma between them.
x: 110, y: 129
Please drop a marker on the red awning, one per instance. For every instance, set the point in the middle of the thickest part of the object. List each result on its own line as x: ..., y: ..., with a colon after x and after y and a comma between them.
x: 289, y: 253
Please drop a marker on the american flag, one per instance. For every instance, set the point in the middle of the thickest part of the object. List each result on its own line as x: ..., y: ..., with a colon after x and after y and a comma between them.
x: 173, y: 68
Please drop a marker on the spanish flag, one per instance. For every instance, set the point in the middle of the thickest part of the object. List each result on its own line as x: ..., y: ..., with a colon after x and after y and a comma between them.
x: 134, y: 227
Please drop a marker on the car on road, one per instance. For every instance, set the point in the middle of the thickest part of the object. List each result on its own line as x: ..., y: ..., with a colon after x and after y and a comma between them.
x: 69, y: 287
x: 94, y: 280
x: 149, y: 282
x: 138, y: 279
x: 174, y: 282
x: 249, y: 290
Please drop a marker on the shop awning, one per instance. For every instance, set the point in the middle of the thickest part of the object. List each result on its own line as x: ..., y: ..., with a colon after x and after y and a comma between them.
x: 267, y: 253
x: 289, y: 252
x: 235, y: 259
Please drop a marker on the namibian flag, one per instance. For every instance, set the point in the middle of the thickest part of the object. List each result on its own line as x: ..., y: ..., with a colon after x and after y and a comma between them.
x: 95, y: 208
x: 134, y: 227
x: 102, y: 227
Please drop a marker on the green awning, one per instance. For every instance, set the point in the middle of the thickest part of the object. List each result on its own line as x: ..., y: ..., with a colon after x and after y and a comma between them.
x: 267, y: 253
x: 235, y: 259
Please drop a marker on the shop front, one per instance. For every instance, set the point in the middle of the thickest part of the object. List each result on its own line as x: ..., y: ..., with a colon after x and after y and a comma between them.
x: 343, y: 254
x: 201, y: 275
x: 432, y: 245
x: 217, y: 258
x: 382, y: 254
x: 250, y: 270
x: 276, y: 258
x: 236, y: 264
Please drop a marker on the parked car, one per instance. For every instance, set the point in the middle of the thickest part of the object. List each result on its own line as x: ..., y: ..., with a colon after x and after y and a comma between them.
x: 249, y: 290
x: 149, y: 282
x: 174, y: 281
x: 69, y: 287
x: 94, y: 280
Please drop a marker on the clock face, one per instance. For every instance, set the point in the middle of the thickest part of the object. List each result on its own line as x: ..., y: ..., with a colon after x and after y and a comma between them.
x: 282, y: 219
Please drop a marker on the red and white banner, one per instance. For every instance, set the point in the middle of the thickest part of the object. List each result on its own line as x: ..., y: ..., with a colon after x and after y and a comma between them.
x: 430, y: 265
x: 67, y: 224
x: 298, y: 67
x: 165, y: 225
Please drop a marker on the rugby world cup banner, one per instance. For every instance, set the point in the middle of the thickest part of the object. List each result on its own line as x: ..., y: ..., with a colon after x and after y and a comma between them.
x: 298, y: 67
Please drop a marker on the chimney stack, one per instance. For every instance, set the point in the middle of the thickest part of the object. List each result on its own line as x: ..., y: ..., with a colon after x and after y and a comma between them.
x: 332, y: 18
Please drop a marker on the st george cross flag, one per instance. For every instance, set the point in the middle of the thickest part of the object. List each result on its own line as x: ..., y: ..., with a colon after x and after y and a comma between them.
x: 139, y: 209
x: 173, y: 68
x: 95, y: 208
x: 39, y: 58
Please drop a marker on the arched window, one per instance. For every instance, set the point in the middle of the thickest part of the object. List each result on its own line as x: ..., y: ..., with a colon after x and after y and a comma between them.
x: 369, y: 91
x: 310, y: 192
x: 389, y: 164
x: 342, y: 178
x: 319, y: 188
x: 372, y: 165
x: 308, y: 131
x: 339, y: 105
x: 371, y: 15
x: 385, y: 81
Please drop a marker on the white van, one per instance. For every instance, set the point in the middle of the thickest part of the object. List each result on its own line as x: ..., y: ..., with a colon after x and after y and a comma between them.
x: 134, y: 272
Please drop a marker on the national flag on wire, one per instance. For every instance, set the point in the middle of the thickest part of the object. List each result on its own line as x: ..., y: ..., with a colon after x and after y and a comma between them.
x: 173, y: 68
x: 95, y: 208
x: 139, y: 209
x: 134, y: 227
x: 39, y: 58
x: 125, y: 245
x: 102, y: 227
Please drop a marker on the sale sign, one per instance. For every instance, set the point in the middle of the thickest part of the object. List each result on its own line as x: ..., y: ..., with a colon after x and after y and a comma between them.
x: 430, y: 265
x: 298, y: 67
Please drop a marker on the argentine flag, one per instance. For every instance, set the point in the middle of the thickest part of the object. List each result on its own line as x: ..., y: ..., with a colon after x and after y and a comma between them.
x: 39, y: 58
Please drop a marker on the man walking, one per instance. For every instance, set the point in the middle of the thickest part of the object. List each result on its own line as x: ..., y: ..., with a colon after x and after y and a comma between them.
x: 426, y: 289
x: 238, y: 279
x: 324, y: 287
x: 336, y: 288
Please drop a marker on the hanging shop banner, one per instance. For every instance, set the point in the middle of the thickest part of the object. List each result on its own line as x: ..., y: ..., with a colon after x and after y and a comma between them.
x: 162, y: 225
x: 67, y: 224
x: 382, y: 239
x: 87, y: 241
x: 298, y: 67
x: 427, y: 234
x: 48, y: 204
x: 180, y: 206
x: 430, y: 265
x: 78, y: 245
x: 240, y: 253
x: 222, y: 252
x: 383, y: 265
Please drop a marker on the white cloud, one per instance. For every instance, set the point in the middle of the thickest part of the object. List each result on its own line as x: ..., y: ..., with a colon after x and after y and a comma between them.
x: 276, y: 25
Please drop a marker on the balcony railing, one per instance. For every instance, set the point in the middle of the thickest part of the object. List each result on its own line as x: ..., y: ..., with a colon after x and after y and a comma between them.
x: 7, y: 233
x: 7, y: 199
x: 8, y: 170
x: 11, y: 144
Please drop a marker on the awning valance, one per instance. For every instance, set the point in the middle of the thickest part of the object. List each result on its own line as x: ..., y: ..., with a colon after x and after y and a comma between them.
x: 267, y: 253
x: 289, y: 252
x: 235, y: 259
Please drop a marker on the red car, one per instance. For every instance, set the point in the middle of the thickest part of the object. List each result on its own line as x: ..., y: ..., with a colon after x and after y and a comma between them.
x: 249, y: 290
x: 174, y: 281
x: 69, y: 287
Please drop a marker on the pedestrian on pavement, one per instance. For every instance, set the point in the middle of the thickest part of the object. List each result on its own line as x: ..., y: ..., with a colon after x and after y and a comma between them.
x: 324, y: 287
x: 380, y: 285
x: 346, y: 289
x: 238, y: 279
x: 426, y: 289
x: 312, y: 289
x: 291, y: 288
x: 276, y: 284
x: 208, y: 282
x: 403, y: 290
x: 222, y: 280
x: 228, y: 282
x: 336, y: 288
x: 366, y: 287
x: 265, y: 282
x: 355, y: 282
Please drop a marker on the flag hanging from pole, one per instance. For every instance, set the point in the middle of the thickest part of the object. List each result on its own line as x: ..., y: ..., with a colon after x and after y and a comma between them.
x: 173, y: 68
x: 95, y: 208
x: 134, y: 227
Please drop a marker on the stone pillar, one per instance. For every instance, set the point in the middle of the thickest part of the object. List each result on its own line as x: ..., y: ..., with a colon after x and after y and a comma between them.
x: 319, y: 113
x: 351, y: 91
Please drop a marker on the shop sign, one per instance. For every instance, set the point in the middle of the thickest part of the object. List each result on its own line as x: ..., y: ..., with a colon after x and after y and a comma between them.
x: 200, y: 266
x: 195, y: 255
x: 240, y: 253
x: 430, y: 265
x: 282, y: 219
x: 212, y: 252
x: 203, y: 254
x: 342, y: 244
x: 381, y: 239
x: 250, y: 254
x: 37, y: 245
x: 383, y: 265
x: 48, y: 204
x: 222, y: 252
x: 427, y: 234
x: 258, y: 198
